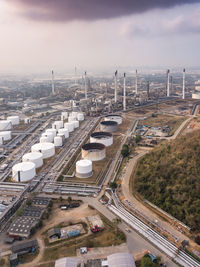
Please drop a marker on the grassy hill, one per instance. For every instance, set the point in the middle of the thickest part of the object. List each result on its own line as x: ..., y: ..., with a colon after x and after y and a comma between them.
x: 169, y: 177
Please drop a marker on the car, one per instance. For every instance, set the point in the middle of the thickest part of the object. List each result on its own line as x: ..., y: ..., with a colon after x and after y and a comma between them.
x: 128, y: 230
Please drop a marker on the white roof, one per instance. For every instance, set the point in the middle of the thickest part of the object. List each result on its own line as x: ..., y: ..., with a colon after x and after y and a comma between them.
x: 33, y: 155
x: 43, y: 146
x: 66, y: 262
x: 84, y: 162
x: 24, y: 166
x: 121, y: 260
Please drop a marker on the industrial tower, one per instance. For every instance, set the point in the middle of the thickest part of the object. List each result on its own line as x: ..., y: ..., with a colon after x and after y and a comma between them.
x: 116, y: 86
x: 183, y: 83
x: 124, y: 98
x: 52, y: 84
x: 168, y: 83
x: 136, y: 82
x: 85, y: 85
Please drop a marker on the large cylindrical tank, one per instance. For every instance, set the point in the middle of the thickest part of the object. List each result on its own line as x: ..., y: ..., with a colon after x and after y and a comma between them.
x: 5, y: 125
x: 49, y: 136
x: 58, y: 141
x: 35, y: 157
x: 64, y: 115
x: 52, y: 131
x: 80, y: 117
x: 76, y: 124
x: 23, y: 171
x: 14, y: 120
x: 57, y: 125
x: 102, y: 137
x: 27, y: 120
x: 109, y: 126
x: 93, y: 151
x: 69, y: 126
x: 47, y: 149
x: 70, y: 119
x: 44, y: 139
x: 5, y: 135
x: 74, y: 114
x: 64, y: 131
x: 62, y: 136
x: 116, y: 118
x: 84, y: 168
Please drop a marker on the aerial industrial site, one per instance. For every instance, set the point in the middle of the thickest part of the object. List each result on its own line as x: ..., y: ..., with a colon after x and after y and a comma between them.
x: 67, y: 169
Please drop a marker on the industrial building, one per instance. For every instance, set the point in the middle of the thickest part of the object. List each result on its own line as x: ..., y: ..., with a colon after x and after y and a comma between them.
x: 93, y: 151
x: 66, y: 262
x: 102, y: 137
x: 24, y: 247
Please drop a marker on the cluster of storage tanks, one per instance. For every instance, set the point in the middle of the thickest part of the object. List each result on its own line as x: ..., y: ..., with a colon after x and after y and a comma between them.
x: 6, y: 126
x: 96, y: 149
x: 49, y: 140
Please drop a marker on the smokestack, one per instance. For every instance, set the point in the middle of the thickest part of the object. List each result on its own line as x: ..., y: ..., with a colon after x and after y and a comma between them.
x: 116, y: 85
x: 85, y: 85
x: 183, y: 83
x: 75, y: 78
x: 52, y: 84
x: 148, y: 88
x: 136, y: 82
x: 171, y: 83
x: 124, y: 99
x: 168, y: 77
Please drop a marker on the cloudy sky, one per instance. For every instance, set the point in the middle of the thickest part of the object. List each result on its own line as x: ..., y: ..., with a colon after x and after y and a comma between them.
x: 98, y: 34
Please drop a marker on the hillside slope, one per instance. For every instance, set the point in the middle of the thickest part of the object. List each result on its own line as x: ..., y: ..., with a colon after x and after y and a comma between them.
x: 169, y: 177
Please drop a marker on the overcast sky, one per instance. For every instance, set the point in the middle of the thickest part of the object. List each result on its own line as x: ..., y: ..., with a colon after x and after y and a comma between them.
x: 98, y: 34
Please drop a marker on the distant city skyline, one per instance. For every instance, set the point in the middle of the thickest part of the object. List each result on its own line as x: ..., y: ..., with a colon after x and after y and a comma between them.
x: 40, y: 35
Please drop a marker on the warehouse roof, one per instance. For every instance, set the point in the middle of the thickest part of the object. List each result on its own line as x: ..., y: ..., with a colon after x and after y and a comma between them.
x: 40, y: 201
x: 66, y: 262
x: 121, y: 260
x: 22, y: 226
x: 24, y: 245
x: 32, y: 211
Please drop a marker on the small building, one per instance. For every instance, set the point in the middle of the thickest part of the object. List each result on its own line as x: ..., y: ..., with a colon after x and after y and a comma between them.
x: 54, y: 233
x: 66, y: 262
x: 21, y: 227
x: 33, y: 212
x: 25, y: 247
x: 13, y: 260
x: 41, y: 201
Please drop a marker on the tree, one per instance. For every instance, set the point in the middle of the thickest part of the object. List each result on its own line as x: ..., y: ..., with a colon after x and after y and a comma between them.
x: 113, y: 185
x: 197, y: 239
x: 125, y: 151
x: 29, y: 202
x: 50, y: 203
x: 147, y: 262
x: 69, y: 199
x: 60, y: 198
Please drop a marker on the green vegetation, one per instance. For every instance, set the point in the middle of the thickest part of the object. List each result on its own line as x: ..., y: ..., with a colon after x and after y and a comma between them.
x: 113, y: 185
x: 138, y: 138
x: 125, y: 150
x: 146, y: 261
x: 169, y: 177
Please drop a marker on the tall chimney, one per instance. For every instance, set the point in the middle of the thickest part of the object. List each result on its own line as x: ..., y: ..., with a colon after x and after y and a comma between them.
x: 85, y: 85
x: 52, y: 84
x: 116, y: 85
x: 183, y: 83
x: 124, y: 98
x: 136, y: 82
x: 168, y: 77
x: 75, y: 78
x: 148, y: 88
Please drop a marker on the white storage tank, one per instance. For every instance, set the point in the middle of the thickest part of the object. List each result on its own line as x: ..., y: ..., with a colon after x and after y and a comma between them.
x: 52, y: 131
x: 64, y: 115
x: 23, y: 171
x: 57, y: 125
x: 47, y: 149
x: 58, y: 141
x: 74, y: 114
x: 84, y: 168
x: 64, y: 131
x: 5, y: 125
x: 80, y: 117
x: 69, y: 126
x: 49, y: 136
x: 70, y: 119
x: 1, y: 140
x: 102, y: 137
x: 116, y: 118
x: 62, y: 136
x: 14, y: 120
x: 44, y: 139
x: 27, y: 120
x: 5, y: 135
x: 93, y: 151
x: 76, y: 124
x: 35, y: 157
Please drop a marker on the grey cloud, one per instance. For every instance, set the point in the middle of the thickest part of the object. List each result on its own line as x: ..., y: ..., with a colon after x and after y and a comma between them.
x: 68, y: 10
